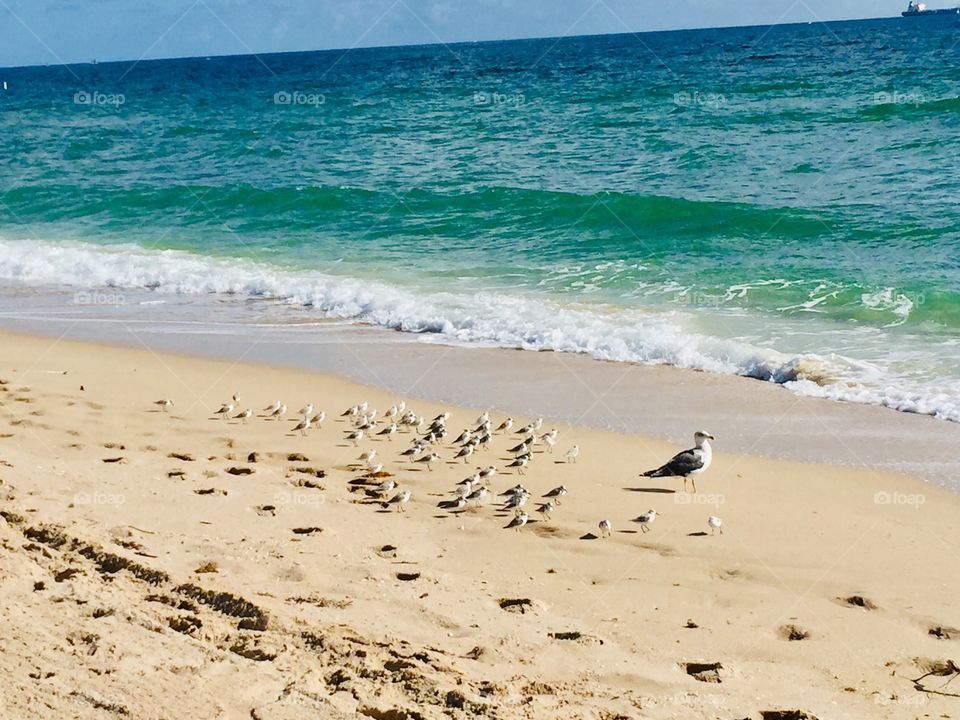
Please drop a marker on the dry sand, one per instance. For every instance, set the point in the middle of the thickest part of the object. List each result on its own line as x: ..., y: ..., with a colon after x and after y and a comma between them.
x: 138, y: 584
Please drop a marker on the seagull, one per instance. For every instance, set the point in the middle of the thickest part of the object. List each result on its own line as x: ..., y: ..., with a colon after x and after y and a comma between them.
x: 279, y: 412
x: 164, y: 404
x: 356, y: 436
x: 526, y: 430
x: 302, y: 426
x: 427, y: 460
x: 400, y: 500
x: 463, y: 437
x: 374, y: 469
x: 236, y: 398
x: 520, y: 463
x: 402, y: 405
x: 505, y: 425
x: 518, y: 522
x: 271, y: 409
x: 646, y: 520
x: 483, y: 419
x: 515, y: 490
x: 307, y: 411
x: 516, y: 501
x: 362, y: 407
x: 483, y: 441
x: 538, y: 423
x: 688, y: 463
x: 557, y: 493
x: 441, y: 418
x: 318, y: 419
x: 367, y: 455
x: 545, y: 509
x: 572, y: 453
x: 465, y: 453
x: 522, y: 447
x: 225, y: 410
x: 385, y: 487
x: 416, y: 449
x: 243, y: 416
x: 389, y: 431
x: 472, y: 480
x: 605, y: 528
x: 478, y: 495
x: 391, y: 413
x: 488, y: 472
x: 351, y: 411
x: 715, y: 523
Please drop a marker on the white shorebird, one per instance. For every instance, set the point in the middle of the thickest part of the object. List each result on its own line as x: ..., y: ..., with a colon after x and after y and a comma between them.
x: 225, y: 410
x: 483, y: 419
x: 515, y: 490
x: 374, y: 469
x: 545, y: 509
x: 522, y: 447
x: 572, y: 453
x: 520, y: 463
x: 605, y: 528
x: 385, y: 487
x: 473, y: 480
x: 414, y: 449
x: 488, y: 472
x: 243, y: 416
x: 465, y: 453
x: 715, y: 523
x: 367, y: 455
x: 516, y: 501
x: 356, y: 436
x: 279, y: 412
x: 526, y: 430
x: 463, y: 437
x: 400, y: 500
x: 518, y: 522
x: 302, y: 426
x: 389, y: 431
x: 557, y: 493
x: 505, y: 425
x: 306, y: 410
x: 646, y: 520
x: 689, y: 463
x: 318, y: 419
x: 391, y: 413
x: 164, y: 404
x: 271, y: 409
x: 236, y: 398
x: 538, y: 423
x: 351, y: 411
x: 478, y: 495
x: 428, y: 460
x: 362, y: 407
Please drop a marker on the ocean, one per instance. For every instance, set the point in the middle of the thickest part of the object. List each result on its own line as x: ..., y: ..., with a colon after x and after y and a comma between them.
x: 772, y: 202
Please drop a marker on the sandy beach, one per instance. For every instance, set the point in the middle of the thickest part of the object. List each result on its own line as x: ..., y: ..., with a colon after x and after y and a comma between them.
x: 169, y: 564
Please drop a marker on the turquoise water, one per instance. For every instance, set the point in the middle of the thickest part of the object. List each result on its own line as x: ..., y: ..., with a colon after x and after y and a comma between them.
x: 773, y: 202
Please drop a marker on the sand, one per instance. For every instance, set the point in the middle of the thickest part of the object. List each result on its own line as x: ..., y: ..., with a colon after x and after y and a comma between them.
x: 141, y: 577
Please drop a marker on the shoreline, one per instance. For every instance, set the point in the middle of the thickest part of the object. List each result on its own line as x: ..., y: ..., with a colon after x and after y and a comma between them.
x: 659, y: 401
x: 134, y: 538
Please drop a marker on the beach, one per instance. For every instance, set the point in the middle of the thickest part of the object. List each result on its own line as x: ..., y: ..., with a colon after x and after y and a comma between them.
x: 170, y: 564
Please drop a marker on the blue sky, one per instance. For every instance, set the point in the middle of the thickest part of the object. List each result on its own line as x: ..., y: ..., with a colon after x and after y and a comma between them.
x: 51, y: 31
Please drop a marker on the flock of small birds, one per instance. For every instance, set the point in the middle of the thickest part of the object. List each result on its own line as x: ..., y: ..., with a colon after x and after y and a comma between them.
x: 430, y: 439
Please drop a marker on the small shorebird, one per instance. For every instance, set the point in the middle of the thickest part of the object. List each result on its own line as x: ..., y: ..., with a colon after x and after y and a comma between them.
x: 463, y: 437
x: 715, y: 523
x: 557, y: 493
x: 526, y: 430
x: 428, y: 460
x: 391, y: 413
x: 572, y: 453
x: 242, y: 417
x: 351, y: 411
x: 385, y: 487
x: 441, y: 418
x: 516, y: 501
x: 646, y: 519
x: 518, y: 522
x: 271, y: 409
x: 225, y: 410
x: 689, y: 463
x: 164, y: 404
x: 389, y: 431
x: 478, y: 495
x: 302, y: 426
x: 522, y: 447
x: 318, y: 419
x: 236, y: 398
x: 367, y: 455
x: 505, y: 425
x: 356, y: 436
x: 520, y: 463
x: 545, y: 509
x: 605, y: 528
x: 472, y: 480
x: 487, y: 472
x: 483, y: 419
x: 307, y: 410
x: 278, y: 413
x: 465, y: 453
x: 400, y: 500
x: 515, y: 490
x: 414, y: 449
x: 374, y: 469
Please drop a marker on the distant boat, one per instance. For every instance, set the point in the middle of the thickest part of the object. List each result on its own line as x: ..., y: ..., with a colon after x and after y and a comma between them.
x: 914, y: 9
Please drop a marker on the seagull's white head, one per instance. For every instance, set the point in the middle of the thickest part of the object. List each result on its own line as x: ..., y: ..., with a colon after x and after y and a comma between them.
x: 701, y: 436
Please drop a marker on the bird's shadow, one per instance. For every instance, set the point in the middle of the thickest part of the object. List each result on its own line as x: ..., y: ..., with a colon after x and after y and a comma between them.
x: 627, y: 532
x: 697, y: 534
x: 589, y: 536
x: 446, y: 504
x: 664, y: 491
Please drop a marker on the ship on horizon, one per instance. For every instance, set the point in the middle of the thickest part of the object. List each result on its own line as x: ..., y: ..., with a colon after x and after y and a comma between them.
x: 921, y: 9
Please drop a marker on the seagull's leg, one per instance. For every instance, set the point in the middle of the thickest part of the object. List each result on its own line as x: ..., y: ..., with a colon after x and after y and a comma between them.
x: 693, y: 481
